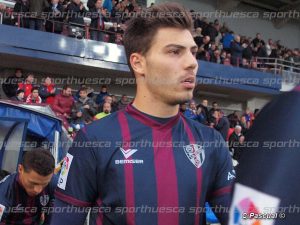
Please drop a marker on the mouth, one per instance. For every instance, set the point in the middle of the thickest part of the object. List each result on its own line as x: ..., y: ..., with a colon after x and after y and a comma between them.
x: 189, y: 82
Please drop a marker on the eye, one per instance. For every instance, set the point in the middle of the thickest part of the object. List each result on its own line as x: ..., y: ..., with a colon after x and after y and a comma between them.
x: 194, y: 53
x: 174, y: 51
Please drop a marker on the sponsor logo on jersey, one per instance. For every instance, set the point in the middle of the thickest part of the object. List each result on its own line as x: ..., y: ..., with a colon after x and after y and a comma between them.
x: 127, y: 154
x: 2, y: 208
x: 231, y: 175
x: 62, y: 181
x: 195, y: 154
x: 44, y: 199
x: 252, y: 207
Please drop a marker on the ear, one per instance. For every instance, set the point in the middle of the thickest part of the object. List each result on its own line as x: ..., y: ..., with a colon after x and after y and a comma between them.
x: 137, y: 62
x: 20, y: 168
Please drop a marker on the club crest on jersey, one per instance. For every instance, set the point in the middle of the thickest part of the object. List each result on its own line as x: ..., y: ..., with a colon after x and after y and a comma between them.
x: 44, y: 199
x: 195, y: 154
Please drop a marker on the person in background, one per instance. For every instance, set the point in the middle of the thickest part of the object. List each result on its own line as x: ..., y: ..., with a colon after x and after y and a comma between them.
x: 10, y: 85
x: 27, y: 85
x: 19, y: 96
x: 106, y: 111
x: 34, y: 96
x: 100, y: 97
x: 123, y: 102
x: 47, y: 91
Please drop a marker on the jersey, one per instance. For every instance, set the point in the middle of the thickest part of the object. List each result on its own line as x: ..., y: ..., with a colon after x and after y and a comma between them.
x: 140, y: 171
x: 268, y: 172
x: 17, y: 208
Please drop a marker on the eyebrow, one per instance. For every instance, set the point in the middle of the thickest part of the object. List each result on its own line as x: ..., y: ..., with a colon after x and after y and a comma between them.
x: 194, y: 47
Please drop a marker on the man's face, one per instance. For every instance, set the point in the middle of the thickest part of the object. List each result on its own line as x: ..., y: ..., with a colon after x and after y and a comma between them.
x: 205, y: 103
x: 108, y: 99
x: 54, y: 2
x: 98, y: 4
x: 21, y: 95
x: 106, y: 108
x: 18, y: 73
x: 83, y: 94
x: 67, y: 92
x: 103, y: 89
x: 48, y: 81
x: 124, y: 98
x: 30, y: 79
x: 32, y: 182
x: 169, y: 67
x: 35, y: 93
x: 193, y: 106
x: 215, y: 105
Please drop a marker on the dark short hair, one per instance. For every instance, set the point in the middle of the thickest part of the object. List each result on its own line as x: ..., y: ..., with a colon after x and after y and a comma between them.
x: 83, y: 89
x: 39, y: 160
x: 3, y: 173
x: 65, y: 87
x: 138, y: 36
x: 34, y: 89
x: 20, y: 91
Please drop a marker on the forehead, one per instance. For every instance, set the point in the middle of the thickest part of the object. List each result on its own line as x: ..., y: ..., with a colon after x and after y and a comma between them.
x: 168, y: 36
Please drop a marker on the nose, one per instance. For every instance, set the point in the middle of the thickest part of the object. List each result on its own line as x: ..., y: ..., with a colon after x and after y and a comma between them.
x: 191, y: 61
x: 38, y: 189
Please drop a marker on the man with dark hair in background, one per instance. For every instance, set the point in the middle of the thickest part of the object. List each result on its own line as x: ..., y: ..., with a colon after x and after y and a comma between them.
x: 141, y: 167
x: 10, y: 85
x: 25, y: 195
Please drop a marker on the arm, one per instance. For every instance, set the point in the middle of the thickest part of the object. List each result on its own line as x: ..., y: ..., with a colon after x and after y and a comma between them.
x: 220, y: 195
x: 77, y: 184
x: 56, y: 107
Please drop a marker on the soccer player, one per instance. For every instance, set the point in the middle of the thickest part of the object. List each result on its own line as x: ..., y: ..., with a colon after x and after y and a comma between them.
x: 268, y: 181
x: 25, y: 194
x: 147, y: 164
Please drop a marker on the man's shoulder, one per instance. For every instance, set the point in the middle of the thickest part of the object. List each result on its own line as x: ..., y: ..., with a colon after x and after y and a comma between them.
x: 7, y: 186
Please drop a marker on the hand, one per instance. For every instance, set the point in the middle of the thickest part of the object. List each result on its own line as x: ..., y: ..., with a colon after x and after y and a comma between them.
x: 66, y: 115
x: 53, y: 91
x: 79, y: 114
x: 86, y: 107
x: 81, y: 6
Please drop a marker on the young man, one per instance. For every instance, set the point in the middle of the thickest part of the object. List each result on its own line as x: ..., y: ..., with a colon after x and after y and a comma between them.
x: 154, y: 158
x: 34, y: 96
x: 27, y: 85
x: 63, y: 103
x: 10, y: 86
x: 25, y: 194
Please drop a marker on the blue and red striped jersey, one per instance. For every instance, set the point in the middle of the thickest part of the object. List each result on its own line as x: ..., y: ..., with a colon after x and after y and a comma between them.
x: 135, y: 169
x: 17, y: 208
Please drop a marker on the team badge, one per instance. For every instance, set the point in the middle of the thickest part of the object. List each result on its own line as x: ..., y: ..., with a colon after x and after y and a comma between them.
x: 195, y: 154
x: 44, y: 199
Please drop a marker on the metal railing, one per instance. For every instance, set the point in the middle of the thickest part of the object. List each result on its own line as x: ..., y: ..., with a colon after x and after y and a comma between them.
x: 277, y: 65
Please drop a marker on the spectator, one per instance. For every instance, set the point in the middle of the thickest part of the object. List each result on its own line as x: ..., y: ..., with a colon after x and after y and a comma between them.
x: 245, y: 64
x: 233, y: 119
x: 269, y: 47
x: 27, y: 85
x: 10, y: 85
x: 222, y: 124
x: 211, y: 31
x: 34, y: 96
x: 123, y: 102
x: 243, y: 124
x: 108, y: 5
x: 97, y: 23
x: 114, y: 104
x: 54, y: 20
x: 258, y: 41
x: 100, y: 97
x: 226, y: 62
x: 227, y: 39
x: 115, y: 29
x: 83, y: 110
x: 19, y: 96
x: 21, y: 7
x: 183, y: 108
x: 235, y: 142
x: 214, y: 107
x: 76, y: 11
x: 47, y: 91
x: 236, y: 51
x: 191, y: 111
x: 106, y: 110
x: 216, y: 58
x: 198, y: 38
x: 204, y: 111
x: 247, y: 52
x: 63, y: 103
x: 37, y: 7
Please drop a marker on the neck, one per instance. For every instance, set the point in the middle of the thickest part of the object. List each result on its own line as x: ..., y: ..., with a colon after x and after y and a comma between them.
x: 147, y: 103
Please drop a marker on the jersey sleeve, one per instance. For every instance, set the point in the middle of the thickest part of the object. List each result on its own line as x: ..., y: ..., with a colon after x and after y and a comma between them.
x: 5, y: 196
x: 77, y: 183
x: 220, y: 196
